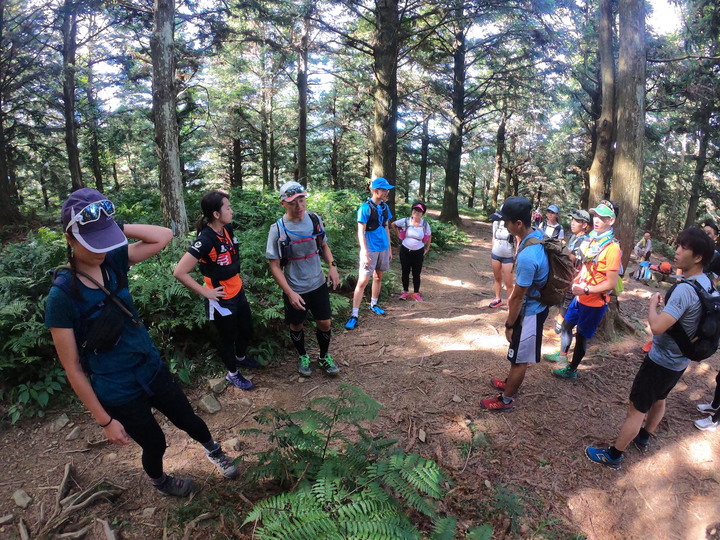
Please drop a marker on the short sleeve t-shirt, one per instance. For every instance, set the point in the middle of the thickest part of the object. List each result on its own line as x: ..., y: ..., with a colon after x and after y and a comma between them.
x: 219, y: 259
x: 303, y: 271
x: 683, y: 306
x: 414, y: 234
x: 531, y: 270
x: 117, y: 376
x: 376, y: 240
x: 594, y: 273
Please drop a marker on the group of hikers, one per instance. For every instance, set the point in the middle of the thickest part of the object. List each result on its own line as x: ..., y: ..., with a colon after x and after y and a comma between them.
x: 119, y: 375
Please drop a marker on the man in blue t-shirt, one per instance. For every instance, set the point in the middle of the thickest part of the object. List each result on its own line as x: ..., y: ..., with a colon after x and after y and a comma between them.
x: 665, y: 363
x: 373, y: 232
x: 526, y: 314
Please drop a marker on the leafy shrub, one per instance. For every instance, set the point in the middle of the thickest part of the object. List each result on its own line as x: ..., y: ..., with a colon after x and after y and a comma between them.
x: 344, y: 488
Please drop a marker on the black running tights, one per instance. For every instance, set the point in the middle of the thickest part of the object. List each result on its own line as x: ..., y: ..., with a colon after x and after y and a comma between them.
x: 411, y: 260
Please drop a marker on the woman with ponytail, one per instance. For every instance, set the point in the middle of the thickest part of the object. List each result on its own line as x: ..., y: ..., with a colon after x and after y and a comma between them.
x: 216, y: 250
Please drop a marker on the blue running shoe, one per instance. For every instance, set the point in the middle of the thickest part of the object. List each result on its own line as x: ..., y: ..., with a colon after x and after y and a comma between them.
x: 238, y: 380
x: 377, y: 310
x: 352, y: 323
x: 602, y: 456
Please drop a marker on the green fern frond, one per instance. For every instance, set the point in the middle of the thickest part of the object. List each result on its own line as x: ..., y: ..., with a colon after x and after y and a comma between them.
x: 444, y: 529
x: 483, y: 532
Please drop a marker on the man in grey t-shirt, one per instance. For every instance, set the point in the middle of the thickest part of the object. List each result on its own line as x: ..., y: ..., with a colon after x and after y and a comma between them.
x: 664, y: 365
x: 298, y: 240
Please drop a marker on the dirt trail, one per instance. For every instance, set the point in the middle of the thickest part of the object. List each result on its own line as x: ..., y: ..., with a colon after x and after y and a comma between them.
x: 429, y: 365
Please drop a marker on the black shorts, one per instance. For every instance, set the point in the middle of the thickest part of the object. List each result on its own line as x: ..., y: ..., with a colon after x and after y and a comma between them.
x: 652, y: 384
x: 526, y: 340
x: 317, y: 302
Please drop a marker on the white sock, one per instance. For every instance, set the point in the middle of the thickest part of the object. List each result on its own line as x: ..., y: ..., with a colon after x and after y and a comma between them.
x: 355, y: 311
x: 373, y: 302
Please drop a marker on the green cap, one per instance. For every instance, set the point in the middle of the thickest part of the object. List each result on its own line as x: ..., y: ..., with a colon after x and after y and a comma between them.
x: 603, y: 210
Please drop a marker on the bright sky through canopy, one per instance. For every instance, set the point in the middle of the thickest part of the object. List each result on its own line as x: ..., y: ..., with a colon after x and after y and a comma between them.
x: 665, y: 18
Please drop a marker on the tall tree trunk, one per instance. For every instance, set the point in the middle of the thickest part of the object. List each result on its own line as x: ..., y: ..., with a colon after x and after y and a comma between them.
x: 167, y: 144
x: 699, y: 172
x: 658, y: 199
x: 302, y: 87
x: 69, y: 34
x: 93, y: 128
x: 237, y: 164
x: 449, y: 211
x: 605, y: 133
x: 499, y: 153
x: 386, y: 45
x: 115, y: 176
x: 628, y: 166
x: 424, y: 151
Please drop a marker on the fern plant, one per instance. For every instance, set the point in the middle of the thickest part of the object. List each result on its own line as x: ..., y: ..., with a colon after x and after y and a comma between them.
x: 342, y: 488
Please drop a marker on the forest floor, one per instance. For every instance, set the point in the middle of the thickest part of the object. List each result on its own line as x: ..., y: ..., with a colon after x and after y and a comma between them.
x: 428, y: 364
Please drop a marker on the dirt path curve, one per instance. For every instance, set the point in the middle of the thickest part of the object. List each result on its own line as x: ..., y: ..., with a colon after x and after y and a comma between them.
x: 429, y: 364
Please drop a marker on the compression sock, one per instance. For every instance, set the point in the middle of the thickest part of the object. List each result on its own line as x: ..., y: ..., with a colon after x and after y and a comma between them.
x: 298, y: 339
x: 323, y: 339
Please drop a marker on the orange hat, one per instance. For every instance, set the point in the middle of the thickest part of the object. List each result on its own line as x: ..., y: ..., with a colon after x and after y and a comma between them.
x: 665, y: 267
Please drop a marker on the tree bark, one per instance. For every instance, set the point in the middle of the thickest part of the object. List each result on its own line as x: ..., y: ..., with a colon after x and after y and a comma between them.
x: 237, y: 162
x: 699, y: 171
x: 386, y: 45
x: 167, y: 144
x: 302, y: 87
x: 499, y: 153
x: 424, y: 151
x: 450, y: 211
x: 69, y: 34
x: 602, y: 165
x: 628, y: 165
x: 658, y: 199
x: 93, y: 128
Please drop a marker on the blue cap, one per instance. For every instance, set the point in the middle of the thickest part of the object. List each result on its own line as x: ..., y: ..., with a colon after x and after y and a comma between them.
x: 381, y: 183
x: 553, y: 208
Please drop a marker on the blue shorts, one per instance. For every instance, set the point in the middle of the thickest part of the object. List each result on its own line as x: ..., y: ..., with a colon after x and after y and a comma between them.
x: 587, y: 318
x: 504, y: 260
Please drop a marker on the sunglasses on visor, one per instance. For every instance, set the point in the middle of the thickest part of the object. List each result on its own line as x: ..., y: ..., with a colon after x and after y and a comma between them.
x: 92, y: 212
x: 294, y: 191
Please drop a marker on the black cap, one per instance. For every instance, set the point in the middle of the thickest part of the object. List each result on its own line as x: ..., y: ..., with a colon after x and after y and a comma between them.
x: 514, y: 209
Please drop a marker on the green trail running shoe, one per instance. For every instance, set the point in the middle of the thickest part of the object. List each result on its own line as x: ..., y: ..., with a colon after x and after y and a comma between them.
x: 566, y: 373
x: 304, y: 366
x: 328, y: 364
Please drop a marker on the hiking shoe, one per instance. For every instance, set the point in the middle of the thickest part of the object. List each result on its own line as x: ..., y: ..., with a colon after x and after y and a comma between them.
x: 304, y: 366
x: 500, y: 384
x: 417, y: 296
x: 328, y: 364
x: 555, y: 357
x: 377, y: 310
x: 641, y: 444
x: 496, y: 404
x: 174, y: 487
x: 238, y: 380
x: 404, y: 295
x: 352, y: 323
x: 223, y: 463
x: 565, y: 373
x: 706, y: 424
x: 248, y: 362
x: 495, y: 303
x: 707, y: 408
x: 558, y: 328
x: 602, y: 456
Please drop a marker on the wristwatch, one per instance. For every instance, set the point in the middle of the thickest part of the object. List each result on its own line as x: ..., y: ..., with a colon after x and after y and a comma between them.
x: 332, y: 263
x: 586, y: 290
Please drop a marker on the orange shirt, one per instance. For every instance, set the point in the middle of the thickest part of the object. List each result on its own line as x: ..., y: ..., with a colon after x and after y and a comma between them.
x: 593, y: 273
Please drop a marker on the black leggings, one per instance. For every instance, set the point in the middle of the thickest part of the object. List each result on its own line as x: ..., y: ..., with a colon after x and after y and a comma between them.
x: 140, y: 424
x: 581, y: 342
x: 411, y: 260
x: 235, y: 330
x: 716, y: 399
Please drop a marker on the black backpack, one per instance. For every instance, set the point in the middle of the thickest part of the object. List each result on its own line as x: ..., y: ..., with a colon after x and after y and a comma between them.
x: 562, y: 269
x: 285, y: 244
x: 374, y: 219
x: 705, y: 341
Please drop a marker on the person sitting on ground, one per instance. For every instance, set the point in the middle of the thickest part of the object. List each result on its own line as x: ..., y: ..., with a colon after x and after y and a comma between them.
x: 598, y: 276
x: 580, y: 225
x: 643, y: 249
x: 373, y: 218
x: 216, y: 249
x: 105, y: 349
x: 416, y: 235
x: 526, y: 314
x: 503, y: 257
x: 550, y: 226
x: 295, y: 244
x: 663, y: 366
